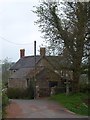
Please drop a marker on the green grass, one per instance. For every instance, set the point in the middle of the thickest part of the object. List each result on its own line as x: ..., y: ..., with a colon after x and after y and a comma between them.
x: 73, y: 102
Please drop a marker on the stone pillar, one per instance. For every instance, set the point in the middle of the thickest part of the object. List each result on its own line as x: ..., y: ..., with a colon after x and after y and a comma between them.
x: 52, y: 90
x: 67, y: 87
x: 37, y: 91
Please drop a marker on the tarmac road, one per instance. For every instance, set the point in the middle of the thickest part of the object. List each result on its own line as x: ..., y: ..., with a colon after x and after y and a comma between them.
x: 40, y: 108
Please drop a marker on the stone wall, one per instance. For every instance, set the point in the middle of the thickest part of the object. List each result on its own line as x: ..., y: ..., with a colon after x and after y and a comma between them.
x: 17, y: 83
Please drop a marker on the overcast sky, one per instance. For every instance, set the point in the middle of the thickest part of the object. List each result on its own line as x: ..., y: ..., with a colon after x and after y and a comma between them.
x: 17, y: 27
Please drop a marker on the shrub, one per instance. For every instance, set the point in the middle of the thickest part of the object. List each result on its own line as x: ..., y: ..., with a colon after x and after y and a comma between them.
x: 30, y: 93
x: 85, y: 88
x: 5, y: 100
x: 16, y: 93
x: 30, y: 90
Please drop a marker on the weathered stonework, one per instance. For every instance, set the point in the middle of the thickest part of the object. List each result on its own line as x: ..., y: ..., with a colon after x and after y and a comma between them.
x: 44, y: 71
x: 17, y: 83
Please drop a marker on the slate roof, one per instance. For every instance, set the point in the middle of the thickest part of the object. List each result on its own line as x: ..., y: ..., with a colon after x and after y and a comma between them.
x: 25, y: 62
x: 59, y: 62
x: 21, y: 73
x: 25, y: 67
x: 29, y: 62
x: 25, y: 72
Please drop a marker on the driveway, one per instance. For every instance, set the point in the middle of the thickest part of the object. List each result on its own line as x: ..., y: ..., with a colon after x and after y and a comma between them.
x: 41, y: 108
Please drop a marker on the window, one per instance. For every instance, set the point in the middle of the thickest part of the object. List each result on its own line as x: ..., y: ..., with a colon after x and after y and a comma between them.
x: 53, y: 83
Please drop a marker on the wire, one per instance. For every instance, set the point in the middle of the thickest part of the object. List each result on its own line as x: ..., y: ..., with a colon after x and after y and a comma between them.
x: 14, y: 42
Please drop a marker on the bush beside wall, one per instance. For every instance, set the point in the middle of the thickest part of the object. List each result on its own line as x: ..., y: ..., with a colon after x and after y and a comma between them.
x: 17, y: 93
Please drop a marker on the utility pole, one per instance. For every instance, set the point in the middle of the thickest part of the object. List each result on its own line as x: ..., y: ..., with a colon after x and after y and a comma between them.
x: 35, y: 69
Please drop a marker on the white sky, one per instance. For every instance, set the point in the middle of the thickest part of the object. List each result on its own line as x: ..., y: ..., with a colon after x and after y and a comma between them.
x: 17, y: 25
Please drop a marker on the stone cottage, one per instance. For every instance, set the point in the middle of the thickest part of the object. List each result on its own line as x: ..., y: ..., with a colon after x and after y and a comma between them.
x: 44, y: 71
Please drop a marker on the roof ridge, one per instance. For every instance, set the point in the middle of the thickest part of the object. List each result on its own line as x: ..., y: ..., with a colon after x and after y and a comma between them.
x: 31, y: 56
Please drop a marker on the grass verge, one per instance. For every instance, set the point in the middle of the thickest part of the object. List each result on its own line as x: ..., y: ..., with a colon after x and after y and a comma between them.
x: 73, y: 102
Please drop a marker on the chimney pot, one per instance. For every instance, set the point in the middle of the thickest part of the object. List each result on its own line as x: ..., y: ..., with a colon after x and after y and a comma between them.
x: 42, y: 51
x: 22, y: 53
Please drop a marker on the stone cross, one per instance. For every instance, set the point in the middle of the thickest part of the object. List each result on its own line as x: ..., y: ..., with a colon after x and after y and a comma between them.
x: 67, y: 86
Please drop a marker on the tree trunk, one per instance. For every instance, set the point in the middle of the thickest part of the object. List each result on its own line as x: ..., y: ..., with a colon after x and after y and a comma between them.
x: 76, y: 75
x: 89, y: 69
x: 77, y: 60
x: 75, y: 83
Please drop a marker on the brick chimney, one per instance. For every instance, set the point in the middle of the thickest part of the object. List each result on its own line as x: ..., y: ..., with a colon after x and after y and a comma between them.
x: 22, y: 53
x: 42, y: 51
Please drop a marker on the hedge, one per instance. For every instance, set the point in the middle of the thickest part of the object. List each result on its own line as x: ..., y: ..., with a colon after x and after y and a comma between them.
x: 17, y: 93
